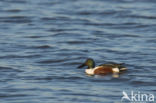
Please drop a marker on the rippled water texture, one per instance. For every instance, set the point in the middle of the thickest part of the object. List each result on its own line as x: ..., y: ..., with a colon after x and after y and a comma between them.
x: 43, y: 41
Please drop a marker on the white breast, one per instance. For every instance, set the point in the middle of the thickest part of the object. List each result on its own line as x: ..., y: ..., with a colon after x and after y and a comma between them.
x: 90, y: 71
x: 115, y: 70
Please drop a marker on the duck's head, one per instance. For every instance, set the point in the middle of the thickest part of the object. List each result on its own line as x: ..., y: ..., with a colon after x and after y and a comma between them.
x: 89, y: 62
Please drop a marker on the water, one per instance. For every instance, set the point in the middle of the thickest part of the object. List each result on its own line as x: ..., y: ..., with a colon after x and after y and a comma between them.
x: 43, y: 41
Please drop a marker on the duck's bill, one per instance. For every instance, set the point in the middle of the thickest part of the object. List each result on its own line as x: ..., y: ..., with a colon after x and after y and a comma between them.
x: 81, y: 66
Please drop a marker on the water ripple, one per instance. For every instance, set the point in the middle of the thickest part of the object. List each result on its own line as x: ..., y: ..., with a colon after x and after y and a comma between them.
x: 16, y: 19
x: 44, y: 41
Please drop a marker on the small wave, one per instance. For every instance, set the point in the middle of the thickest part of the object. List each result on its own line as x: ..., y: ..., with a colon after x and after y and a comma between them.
x: 55, y: 18
x: 69, y: 78
x: 142, y: 83
x: 12, y: 95
x: 51, y: 61
x: 6, y: 69
x: 46, y: 78
x: 81, y: 94
x: 16, y: 1
x: 34, y: 36
x: 16, y: 19
x: 18, y: 56
x: 42, y: 47
x: 152, y: 40
x: 14, y: 10
x: 60, y: 30
x: 77, y: 42
x: 141, y: 16
x: 104, y: 13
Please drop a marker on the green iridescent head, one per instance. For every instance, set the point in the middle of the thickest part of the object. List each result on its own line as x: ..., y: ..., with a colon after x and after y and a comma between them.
x: 89, y: 62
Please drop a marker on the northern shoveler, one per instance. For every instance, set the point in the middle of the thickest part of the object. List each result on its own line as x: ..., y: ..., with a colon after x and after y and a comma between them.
x: 102, y: 69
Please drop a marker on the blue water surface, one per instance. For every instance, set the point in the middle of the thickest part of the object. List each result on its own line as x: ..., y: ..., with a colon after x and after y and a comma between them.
x: 43, y: 41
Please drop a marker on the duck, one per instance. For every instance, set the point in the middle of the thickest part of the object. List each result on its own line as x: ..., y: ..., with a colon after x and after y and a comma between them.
x: 103, y: 69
